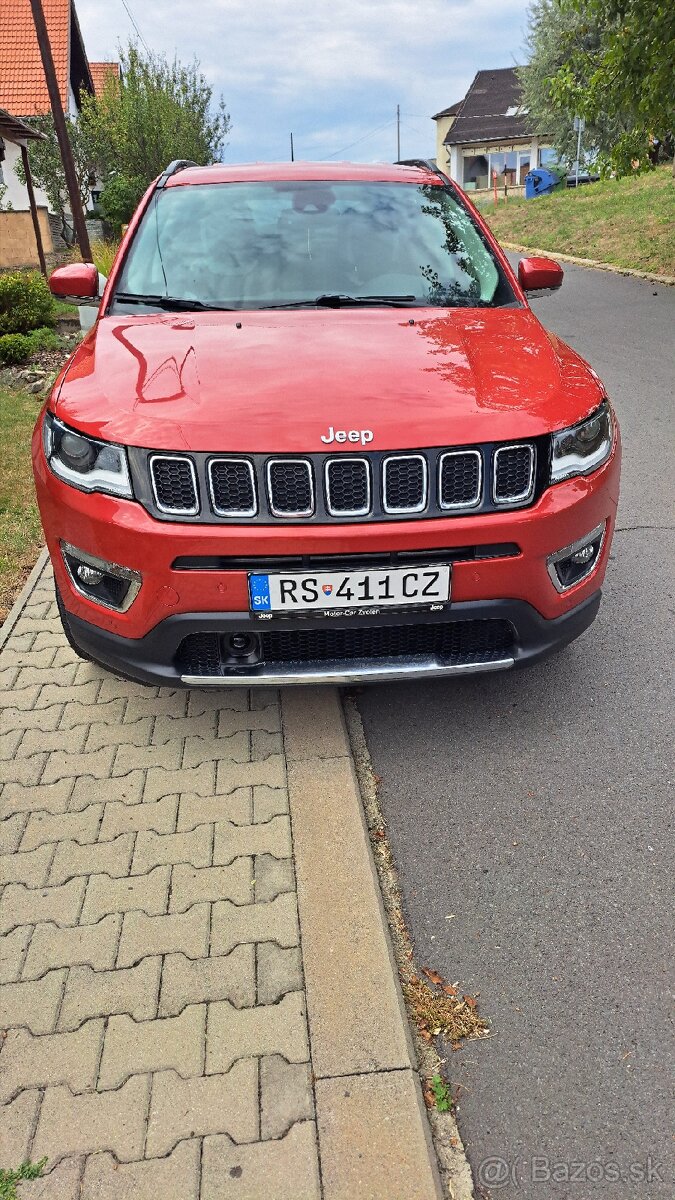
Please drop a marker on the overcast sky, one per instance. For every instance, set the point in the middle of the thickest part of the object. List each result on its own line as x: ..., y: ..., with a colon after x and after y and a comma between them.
x: 332, y: 71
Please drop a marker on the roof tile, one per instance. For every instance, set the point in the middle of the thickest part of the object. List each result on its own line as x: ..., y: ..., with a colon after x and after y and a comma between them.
x: 22, y: 82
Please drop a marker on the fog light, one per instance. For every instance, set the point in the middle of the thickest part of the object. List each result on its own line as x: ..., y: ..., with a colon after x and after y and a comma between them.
x: 106, y: 583
x: 575, y: 563
x: 89, y: 575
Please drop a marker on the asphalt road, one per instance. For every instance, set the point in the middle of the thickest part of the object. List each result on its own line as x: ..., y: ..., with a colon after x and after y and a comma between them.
x: 530, y: 815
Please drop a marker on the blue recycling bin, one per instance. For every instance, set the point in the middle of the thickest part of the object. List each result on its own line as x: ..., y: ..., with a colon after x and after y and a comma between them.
x: 541, y: 181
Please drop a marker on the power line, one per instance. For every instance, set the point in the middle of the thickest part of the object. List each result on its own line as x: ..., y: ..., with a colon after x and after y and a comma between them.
x: 370, y: 133
x: 140, y: 35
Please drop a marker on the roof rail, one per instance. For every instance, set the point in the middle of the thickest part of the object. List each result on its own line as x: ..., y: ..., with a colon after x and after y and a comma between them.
x: 178, y: 164
x: 428, y: 165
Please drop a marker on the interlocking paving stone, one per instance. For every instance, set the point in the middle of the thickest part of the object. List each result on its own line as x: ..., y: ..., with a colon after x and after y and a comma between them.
x: 272, y: 876
x: 265, y: 744
x: 231, y: 721
x: 185, y: 932
x: 285, y: 1095
x: 119, y: 817
x: 182, y: 1108
x: 153, y: 849
x: 160, y: 782
x: 279, y: 970
x: 34, y: 1003
x: 13, y: 948
x: 271, y: 771
x: 230, y: 977
x: 94, y: 945
x: 52, y: 1058
x: 107, y: 715
x: 89, y: 993
x: 17, y: 1121
x: 172, y: 1178
x: 269, y: 802
x: 133, y: 1047
x: 11, y: 832
x: 112, y: 1121
x: 50, y: 797
x: 20, y: 905
x: 63, y: 1183
x: 37, y: 718
x: 276, y: 920
x: 81, y: 827
x: 112, y: 858
x: 168, y: 727
x: 195, y: 810
x: 189, y: 884
x: 129, y: 758
x: 36, y: 741
x: 64, y: 765
x: 128, y: 789
x: 136, y: 733
x: 24, y: 771
x: 231, y: 841
x: 265, y: 1029
x: 147, y: 893
x: 287, y: 1169
x: 31, y: 867
x: 234, y: 749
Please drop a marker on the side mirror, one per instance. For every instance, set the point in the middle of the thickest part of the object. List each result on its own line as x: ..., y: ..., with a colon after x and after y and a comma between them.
x: 539, y: 274
x: 76, y: 281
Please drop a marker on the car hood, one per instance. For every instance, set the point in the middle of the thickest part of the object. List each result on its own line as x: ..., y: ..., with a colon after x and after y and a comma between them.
x: 280, y: 381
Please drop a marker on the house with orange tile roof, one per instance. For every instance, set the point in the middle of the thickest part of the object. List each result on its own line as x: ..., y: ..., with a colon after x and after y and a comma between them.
x: 23, y: 90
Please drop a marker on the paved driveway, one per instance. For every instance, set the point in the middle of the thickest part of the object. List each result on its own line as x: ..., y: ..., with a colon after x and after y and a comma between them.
x: 530, y: 815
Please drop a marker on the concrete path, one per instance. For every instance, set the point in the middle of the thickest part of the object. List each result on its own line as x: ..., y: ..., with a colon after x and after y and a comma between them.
x: 195, y: 978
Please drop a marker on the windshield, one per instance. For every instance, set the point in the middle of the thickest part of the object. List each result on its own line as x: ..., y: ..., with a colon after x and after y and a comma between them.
x: 259, y: 245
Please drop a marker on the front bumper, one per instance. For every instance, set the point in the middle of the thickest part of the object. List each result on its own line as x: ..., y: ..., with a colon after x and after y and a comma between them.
x: 155, y: 658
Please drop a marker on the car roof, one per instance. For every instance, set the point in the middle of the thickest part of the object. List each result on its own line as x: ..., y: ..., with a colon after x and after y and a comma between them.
x: 312, y: 171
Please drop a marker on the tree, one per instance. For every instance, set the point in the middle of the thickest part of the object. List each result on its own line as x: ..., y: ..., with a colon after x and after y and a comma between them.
x: 628, y: 76
x: 556, y: 33
x: 160, y: 110
x: 47, y: 168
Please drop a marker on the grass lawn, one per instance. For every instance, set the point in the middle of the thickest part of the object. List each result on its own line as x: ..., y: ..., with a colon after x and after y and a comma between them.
x: 20, y: 531
x: 626, y: 222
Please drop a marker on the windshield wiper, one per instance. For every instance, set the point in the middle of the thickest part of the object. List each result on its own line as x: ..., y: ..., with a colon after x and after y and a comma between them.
x: 172, y: 303
x: 338, y: 300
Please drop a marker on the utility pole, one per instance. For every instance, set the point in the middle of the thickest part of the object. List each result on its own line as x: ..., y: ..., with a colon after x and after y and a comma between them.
x: 61, y: 129
x: 292, y: 150
x: 398, y: 132
x: 579, y: 125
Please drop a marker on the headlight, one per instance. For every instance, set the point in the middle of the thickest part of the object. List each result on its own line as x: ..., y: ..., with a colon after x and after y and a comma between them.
x: 83, y: 462
x: 584, y: 447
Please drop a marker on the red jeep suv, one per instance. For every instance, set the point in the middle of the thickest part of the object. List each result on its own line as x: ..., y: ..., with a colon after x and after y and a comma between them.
x: 316, y: 434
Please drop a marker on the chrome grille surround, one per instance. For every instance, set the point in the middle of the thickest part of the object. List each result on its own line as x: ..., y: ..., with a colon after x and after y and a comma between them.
x: 465, y: 454
x: 526, y: 493
x: 290, y: 512
x: 232, y: 512
x: 391, y: 461
x: 173, y: 510
x: 347, y: 512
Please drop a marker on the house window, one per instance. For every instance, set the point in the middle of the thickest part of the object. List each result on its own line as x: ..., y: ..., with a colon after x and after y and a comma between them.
x: 506, y: 166
x: 546, y: 155
x: 523, y: 165
x: 475, y: 172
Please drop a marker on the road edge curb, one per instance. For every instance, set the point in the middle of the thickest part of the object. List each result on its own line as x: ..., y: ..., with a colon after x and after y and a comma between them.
x: 22, y: 598
x: 667, y: 280
x: 360, y: 1038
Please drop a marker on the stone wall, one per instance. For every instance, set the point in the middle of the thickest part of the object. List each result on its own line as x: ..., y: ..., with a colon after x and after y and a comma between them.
x: 17, y: 239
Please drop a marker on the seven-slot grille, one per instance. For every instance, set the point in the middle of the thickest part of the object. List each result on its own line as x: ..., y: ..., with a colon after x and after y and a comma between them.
x: 513, y: 478
x: 341, y: 487
x: 174, y: 484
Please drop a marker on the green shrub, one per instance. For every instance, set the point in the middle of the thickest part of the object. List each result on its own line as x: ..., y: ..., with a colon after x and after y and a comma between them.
x: 25, y: 302
x: 15, y: 348
x: 120, y: 198
x: 43, y: 339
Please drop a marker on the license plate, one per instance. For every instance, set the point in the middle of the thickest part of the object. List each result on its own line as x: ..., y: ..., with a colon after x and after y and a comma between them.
x: 340, y: 591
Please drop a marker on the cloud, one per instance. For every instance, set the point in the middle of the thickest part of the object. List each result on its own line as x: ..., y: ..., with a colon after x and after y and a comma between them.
x: 330, y: 70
